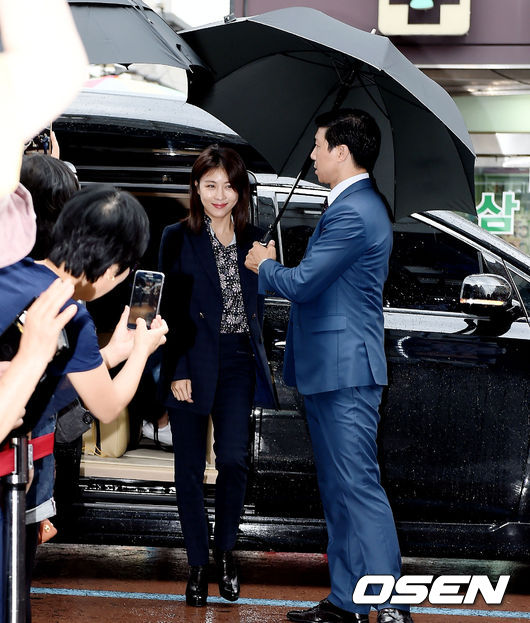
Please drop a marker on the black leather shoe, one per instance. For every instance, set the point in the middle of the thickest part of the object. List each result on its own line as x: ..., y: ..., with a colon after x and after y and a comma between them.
x: 197, y: 587
x: 392, y: 615
x: 227, y: 575
x: 326, y: 612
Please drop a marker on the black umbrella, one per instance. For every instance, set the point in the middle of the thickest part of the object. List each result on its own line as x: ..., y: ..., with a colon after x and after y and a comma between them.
x: 274, y: 73
x: 128, y: 31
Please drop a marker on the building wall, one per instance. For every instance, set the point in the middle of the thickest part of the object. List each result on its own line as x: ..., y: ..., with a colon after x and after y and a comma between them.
x: 499, y: 32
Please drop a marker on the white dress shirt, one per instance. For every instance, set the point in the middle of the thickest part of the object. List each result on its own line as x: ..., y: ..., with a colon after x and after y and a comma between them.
x: 335, y: 192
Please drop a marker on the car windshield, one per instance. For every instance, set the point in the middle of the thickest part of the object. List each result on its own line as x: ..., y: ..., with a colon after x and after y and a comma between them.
x: 455, y: 221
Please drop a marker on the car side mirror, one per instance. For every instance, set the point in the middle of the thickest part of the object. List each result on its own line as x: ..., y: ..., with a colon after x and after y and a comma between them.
x: 487, y: 295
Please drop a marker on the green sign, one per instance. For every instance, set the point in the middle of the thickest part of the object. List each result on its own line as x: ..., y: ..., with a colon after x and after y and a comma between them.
x: 498, y: 219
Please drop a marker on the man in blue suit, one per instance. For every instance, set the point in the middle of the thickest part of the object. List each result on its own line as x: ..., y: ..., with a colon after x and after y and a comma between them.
x: 335, y: 356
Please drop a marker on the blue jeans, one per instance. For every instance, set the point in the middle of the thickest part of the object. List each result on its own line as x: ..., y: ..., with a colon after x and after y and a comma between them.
x: 39, y: 498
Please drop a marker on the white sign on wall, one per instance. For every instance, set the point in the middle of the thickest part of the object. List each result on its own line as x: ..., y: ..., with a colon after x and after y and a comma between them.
x: 444, y: 17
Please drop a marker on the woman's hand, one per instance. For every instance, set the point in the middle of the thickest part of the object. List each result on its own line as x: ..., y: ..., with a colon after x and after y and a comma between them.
x: 150, y: 339
x: 181, y: 389
x: 120, y: 344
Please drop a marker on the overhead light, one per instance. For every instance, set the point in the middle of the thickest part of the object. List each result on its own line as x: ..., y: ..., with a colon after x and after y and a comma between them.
x: 422, y: 5
x: 516, y: 162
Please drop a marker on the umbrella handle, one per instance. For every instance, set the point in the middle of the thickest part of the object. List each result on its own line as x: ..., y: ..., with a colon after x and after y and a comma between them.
x: 267, y: 236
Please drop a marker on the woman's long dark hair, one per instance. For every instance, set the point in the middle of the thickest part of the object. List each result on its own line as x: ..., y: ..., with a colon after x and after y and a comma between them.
x: 216, y: 157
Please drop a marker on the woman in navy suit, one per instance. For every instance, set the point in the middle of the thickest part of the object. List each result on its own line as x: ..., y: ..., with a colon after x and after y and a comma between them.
x: 215, y: 362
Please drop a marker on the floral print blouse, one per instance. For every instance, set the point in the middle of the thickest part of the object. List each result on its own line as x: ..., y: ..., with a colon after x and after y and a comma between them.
x: 234, y: 318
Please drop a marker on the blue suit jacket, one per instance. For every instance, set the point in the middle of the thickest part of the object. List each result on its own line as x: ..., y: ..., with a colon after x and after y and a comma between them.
x: 335, y: 337
x: 192, y: 304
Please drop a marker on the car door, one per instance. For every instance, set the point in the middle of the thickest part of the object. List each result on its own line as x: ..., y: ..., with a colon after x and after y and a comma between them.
x: 454, y: 423
x: 454, y: 426
x: 283, y: 475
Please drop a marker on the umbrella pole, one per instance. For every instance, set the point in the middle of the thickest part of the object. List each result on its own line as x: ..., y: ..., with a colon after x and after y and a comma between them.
x: 16, y: 542
x: 341, y: 96
x: 271, y: 228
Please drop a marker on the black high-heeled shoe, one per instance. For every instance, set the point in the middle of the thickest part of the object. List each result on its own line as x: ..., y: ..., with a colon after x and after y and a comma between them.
x: 197, y: 587
x: 227, y: 575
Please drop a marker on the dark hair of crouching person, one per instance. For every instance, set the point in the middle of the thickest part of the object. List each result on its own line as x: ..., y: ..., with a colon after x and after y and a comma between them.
x: 98, y: 227
x: 51, y: 183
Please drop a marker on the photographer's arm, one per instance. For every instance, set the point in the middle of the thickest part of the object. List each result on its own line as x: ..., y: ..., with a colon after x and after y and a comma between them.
x: 38, y: 79
x: 105, y: 397
x: 34, y: 67
x: 120, y: 344
x: 37, y: 346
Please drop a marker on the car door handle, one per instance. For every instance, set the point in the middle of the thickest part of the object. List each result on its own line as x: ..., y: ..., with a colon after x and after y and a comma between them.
x: 279, y: 344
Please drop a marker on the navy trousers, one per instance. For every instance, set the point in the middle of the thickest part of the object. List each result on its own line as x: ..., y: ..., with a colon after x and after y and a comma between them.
x: 231, y: 418
x: 362, y: 536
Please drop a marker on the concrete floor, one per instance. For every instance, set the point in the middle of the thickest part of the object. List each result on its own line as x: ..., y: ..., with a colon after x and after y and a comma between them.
x: 141, y: 584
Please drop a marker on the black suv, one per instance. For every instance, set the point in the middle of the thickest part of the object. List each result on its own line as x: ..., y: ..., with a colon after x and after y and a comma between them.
x: 455, y: 427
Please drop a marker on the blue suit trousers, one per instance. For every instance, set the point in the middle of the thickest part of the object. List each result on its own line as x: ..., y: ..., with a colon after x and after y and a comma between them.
x: 362, y: 536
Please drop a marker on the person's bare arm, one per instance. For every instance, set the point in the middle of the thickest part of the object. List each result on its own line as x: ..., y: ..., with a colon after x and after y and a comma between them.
x: 35, y: 36
x: 121, y: 342
x: 38, y: 78
x: 105, y: 397
x: 38, y: 344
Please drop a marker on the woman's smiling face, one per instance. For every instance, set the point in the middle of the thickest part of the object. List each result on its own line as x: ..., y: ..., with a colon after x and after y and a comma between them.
x: 217, y: 195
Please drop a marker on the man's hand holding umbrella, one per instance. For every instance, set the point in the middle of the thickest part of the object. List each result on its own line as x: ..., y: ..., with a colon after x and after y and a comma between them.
x: 258, y: 253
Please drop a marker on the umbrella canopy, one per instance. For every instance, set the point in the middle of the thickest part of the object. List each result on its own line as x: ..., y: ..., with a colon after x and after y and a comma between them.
x: 272, y: 74
x: 128, y: 31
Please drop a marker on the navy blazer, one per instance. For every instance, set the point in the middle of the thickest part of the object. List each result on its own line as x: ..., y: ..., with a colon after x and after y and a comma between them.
x: 335, y: 337
x: 192, y: 304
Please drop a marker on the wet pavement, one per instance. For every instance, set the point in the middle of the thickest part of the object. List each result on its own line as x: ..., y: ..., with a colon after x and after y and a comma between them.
x: 102, y: 583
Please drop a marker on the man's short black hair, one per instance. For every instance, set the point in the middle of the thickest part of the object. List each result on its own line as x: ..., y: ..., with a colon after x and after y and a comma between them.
x: 98, y: 227
x: 357, y: 130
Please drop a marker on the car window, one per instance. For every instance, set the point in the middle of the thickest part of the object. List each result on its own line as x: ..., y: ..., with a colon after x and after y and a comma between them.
x: 427, y: 267
x: 265, y: 211
x: 523, y: 285
x: 494, y: 264
x: 297, y: 224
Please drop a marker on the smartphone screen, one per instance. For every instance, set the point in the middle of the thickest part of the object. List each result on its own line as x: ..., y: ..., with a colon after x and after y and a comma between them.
x: 40, y: 143
x: 145, y: 296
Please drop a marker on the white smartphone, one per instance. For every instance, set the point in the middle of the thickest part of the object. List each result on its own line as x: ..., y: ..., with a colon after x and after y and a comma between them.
x: 145, y: 296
